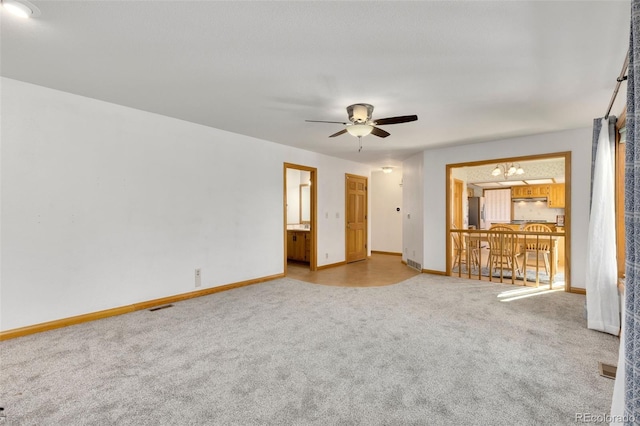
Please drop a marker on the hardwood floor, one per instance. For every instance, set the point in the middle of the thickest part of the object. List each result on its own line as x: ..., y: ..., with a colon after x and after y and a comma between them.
x: 378, y: 270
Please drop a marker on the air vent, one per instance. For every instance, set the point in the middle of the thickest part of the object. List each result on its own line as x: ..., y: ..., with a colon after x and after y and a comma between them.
x: 607, y: 370
x: 157, y: 308
x: 415, y: 265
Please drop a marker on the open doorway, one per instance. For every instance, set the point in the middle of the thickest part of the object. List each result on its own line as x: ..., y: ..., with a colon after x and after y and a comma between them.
x: 300, y: 216
x: 515, y: 193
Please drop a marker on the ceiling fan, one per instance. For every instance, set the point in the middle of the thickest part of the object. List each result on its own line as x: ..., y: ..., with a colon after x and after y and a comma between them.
x: 360, y: 123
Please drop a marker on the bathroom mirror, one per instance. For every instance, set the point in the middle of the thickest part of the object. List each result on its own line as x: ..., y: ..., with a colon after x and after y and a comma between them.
x: 305, y: 204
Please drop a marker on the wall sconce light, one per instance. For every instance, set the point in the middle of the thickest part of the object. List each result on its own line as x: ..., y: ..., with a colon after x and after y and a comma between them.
x: 387, y: 169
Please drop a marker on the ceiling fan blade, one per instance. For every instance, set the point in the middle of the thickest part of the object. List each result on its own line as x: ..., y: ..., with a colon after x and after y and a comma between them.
x: 321, y: 121
x: 379, y: 132
x: 338, y: 133
x: 396, y: 120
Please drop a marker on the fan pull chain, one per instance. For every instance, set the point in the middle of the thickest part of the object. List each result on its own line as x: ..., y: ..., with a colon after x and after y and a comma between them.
x: 360, y: 143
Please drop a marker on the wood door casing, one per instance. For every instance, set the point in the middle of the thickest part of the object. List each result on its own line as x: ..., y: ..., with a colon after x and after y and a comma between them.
x: 312, y: 234
x: 458, y: 191
x: 566, y: 155
x: 356, y: 218
x: 619, y: 199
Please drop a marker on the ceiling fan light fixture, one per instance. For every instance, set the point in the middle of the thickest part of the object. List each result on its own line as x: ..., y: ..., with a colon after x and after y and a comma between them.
x: 361, y: 124
x: 22, y: 8
x: 359, y: 113
x: 359, y: 130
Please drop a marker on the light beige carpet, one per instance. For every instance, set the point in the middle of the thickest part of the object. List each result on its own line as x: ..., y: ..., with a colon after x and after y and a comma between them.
x: 428, y: 351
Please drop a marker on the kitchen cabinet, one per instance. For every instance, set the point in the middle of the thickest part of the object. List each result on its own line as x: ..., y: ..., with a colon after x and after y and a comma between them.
x: 517, y: 191
x: 529, y: 191
x: 298, y: 245
x: 556, y: 196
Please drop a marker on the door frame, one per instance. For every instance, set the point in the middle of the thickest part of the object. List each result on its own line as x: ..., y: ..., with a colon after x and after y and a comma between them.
x: 567, y: 210
x: 347, y: 176
x: 313, y: 178
x: 619, y: 185
x: 458, y: 185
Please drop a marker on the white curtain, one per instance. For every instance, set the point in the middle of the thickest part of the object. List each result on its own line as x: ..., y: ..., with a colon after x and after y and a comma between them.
x: 497, y: 206
x: 603, y: 308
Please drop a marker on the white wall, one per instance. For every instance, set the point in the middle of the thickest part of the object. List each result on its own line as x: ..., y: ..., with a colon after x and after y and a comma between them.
x: 413, y: 205
x: 104, y: 206
x: 577, y: 141
x: 386, y: 221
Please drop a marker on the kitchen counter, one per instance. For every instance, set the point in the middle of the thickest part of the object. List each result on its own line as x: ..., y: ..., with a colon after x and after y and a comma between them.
x: 298, y: 228
x: 526, y: 222
x: 518, y: 225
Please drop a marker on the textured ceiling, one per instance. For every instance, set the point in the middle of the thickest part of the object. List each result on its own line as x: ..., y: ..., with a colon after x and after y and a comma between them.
x: 472, y: 71
x: 551, y: 168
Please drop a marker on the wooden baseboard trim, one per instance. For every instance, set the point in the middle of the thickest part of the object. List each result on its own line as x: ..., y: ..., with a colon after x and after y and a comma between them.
x: 433, y: 272
x: 577, y: 290
x: 64, y: 322
x: 404, y: 262
x: 331, y: 265
x: 391, y: 253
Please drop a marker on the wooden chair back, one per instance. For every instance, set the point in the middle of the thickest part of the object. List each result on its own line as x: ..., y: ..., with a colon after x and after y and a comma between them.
x: 501, y: 243
x: 540, y: 244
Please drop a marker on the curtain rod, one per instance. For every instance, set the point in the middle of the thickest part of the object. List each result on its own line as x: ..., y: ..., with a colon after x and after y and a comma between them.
x: 620, y: 79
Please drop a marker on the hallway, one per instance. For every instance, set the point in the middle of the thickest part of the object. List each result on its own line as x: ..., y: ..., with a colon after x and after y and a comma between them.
x: 378, y: 270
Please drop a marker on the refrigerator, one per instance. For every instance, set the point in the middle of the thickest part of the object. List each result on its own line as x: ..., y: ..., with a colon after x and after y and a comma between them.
x: 476, y: 212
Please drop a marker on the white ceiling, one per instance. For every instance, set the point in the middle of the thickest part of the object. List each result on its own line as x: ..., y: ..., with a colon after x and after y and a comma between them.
x: 472, y: 71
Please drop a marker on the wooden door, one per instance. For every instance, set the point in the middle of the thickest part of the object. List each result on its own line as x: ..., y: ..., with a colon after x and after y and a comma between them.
x: 356, y: 218
x: 290, y: 245
x: 621, y: 140
x: 307, y: 247
x: 300, y: 246
x: 458, y: 190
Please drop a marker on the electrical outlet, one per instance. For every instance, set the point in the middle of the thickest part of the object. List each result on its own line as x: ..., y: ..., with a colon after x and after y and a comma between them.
x: 326, y: 255
x: 198, y: 277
